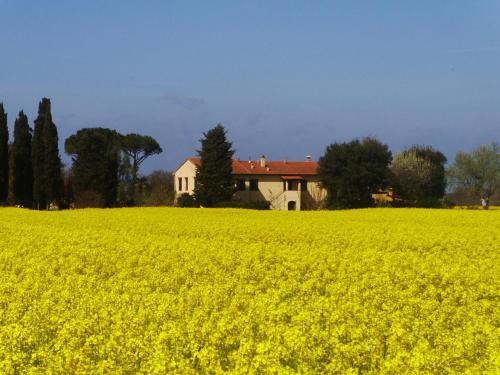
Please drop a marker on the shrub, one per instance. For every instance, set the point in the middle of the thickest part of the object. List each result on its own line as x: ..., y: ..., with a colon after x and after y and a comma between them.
x: 256, y: 205
x: 88, y: 199
x: 186, y: 200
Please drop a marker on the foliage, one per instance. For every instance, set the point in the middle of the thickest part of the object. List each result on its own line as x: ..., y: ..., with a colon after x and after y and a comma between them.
x: 22, y: 169
x: 252, y: 205
x: 214, y: 180
x: 159, y: 189
x: 163, y: 290
x: 139, y: 148
x: 419, y: 176
x: 88, y: 199
x: 95, y: 153
x: 351, y: 172
x: 47, y: 180
x: 314, y: 199
x: 477, y: 172
x: 125, y: 194
x: 187, y: 200
x: 67, y: 190
x: 4, y: 156
x: 461, y: 197
x: 437, y: 186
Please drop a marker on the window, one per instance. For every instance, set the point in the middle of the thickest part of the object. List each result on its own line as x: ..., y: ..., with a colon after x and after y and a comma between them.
x: 254, y: 185
x: 292, y: 185
x: 180, y: 184
x: 240, y: 185
x: 187, y: 183
x: 303, y: 185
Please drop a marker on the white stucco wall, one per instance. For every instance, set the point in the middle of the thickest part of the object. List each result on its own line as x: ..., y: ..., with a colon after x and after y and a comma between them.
x: 270, y: 188
x: 186, y: 171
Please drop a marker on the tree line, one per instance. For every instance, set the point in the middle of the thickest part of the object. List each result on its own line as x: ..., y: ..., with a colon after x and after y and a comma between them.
x: 415, y: 177
x: 351, y: 172
x: 104, y: 171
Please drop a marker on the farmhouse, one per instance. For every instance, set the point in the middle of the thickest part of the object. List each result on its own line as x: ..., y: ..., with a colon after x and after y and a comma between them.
x: 285, y: 185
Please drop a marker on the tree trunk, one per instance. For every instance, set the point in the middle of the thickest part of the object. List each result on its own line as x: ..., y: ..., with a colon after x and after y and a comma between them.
x: 135, y: 169
x: 485, y: 202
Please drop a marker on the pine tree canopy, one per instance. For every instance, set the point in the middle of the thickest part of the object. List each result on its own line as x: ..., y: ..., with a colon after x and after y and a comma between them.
x: 95, y: 154
x: 138, y: 148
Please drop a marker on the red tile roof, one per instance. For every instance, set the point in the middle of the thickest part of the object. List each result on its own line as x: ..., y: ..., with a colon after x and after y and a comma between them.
x: 302, y: 168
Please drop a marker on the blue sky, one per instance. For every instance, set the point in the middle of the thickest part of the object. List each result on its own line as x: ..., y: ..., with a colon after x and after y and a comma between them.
x: 286, y: 78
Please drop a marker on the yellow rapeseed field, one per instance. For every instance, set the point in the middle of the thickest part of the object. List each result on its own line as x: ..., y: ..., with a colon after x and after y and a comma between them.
x: 159, y: 290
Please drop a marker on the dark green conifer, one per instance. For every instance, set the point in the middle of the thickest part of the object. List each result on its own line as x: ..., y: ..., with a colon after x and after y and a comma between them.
x: 47, y: 181
x: 22, y: 170
x: 214, y: 180
x: 4, y: 156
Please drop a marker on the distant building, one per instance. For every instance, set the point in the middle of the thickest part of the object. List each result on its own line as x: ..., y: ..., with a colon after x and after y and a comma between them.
x: 285, y: 185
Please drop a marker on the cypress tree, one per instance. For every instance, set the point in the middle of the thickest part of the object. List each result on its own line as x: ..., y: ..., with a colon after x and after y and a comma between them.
x: 47, y: 181
x: 4, y: 156
x: 214, y: 181
x: 22, y: 170
x: 53, y: 161
x: 38, y: 158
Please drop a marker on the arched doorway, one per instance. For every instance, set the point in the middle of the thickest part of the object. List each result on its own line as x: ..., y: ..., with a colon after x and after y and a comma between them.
x: 292, y: 206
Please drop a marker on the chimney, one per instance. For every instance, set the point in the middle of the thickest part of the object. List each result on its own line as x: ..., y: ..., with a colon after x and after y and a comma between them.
x: 308, y: 158
x: 263, y: 161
